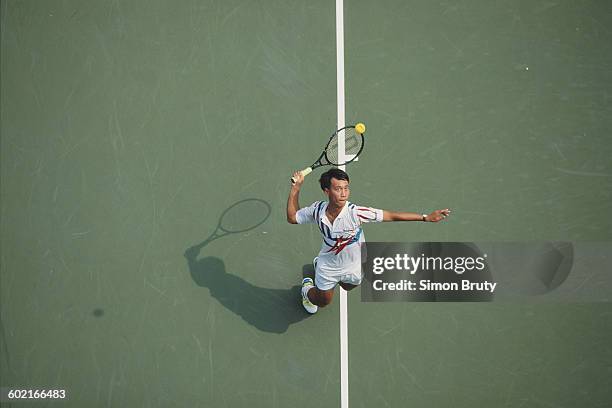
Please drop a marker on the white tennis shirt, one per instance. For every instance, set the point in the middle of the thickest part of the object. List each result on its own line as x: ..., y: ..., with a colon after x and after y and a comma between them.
x: 341, y: 249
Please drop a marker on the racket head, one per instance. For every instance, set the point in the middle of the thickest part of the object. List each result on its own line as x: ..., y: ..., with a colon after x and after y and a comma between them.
x: 244, y: 215
x: 353, y: 146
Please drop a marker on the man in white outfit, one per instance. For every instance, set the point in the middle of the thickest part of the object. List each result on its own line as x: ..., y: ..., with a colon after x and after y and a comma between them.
x: 340, y: 223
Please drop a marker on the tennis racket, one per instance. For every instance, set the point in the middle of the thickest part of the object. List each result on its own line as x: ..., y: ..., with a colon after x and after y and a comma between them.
x: 353, y: 145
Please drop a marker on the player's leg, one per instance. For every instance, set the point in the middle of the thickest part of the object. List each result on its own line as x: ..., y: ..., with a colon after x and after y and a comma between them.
x: 318, y: 293
x: 313, y: 297
x: 320, y: 297
x: 347, y: 286
x: 323, y: 291
x: 351, y: 280
x: 325, y: 283
x: 307, y: 285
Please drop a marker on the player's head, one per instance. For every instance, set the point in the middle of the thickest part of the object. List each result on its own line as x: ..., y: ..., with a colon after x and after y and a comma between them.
x: 335, y: 184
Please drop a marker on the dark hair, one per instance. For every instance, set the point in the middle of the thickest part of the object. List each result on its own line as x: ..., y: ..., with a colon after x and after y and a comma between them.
x: 326, y: 177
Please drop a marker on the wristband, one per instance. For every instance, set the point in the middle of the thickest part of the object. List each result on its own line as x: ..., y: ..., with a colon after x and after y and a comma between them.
x: 424, y: 217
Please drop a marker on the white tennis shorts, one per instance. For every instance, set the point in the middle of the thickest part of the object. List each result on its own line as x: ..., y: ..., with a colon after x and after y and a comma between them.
x: 326, y: 281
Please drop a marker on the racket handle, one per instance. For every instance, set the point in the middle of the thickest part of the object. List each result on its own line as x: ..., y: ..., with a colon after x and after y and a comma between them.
x: 304, y: 172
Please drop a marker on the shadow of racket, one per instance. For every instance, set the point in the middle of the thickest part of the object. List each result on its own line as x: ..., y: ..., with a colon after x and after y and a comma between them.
x: 242, y: 216
x: 267, y: 309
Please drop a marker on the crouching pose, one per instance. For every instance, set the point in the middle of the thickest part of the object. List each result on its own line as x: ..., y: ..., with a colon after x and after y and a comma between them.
x: 340, y: 223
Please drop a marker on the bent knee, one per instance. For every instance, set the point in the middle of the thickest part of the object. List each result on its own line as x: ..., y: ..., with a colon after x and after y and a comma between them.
x: 325, y: 298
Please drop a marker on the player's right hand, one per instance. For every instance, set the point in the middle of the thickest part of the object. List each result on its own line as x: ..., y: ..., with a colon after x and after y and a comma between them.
x: 297, y: 179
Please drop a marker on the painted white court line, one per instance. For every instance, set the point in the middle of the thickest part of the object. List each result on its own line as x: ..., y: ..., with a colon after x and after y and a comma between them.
x: 344, y: 394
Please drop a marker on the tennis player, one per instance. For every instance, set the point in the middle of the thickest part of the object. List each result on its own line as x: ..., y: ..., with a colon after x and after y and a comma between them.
x: 340, y: 223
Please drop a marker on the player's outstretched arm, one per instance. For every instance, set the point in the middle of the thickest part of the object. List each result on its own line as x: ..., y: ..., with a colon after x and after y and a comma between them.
x: 292, y: 202
x: 435, y: 216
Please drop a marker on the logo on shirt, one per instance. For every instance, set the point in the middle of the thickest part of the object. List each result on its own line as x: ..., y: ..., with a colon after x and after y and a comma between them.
x: 342, y: 242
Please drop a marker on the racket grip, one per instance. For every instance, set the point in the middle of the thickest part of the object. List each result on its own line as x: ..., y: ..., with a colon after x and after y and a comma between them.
x: 304, y: 172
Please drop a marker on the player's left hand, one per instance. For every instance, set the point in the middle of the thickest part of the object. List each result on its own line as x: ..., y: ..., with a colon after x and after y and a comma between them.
x: 438, y: 215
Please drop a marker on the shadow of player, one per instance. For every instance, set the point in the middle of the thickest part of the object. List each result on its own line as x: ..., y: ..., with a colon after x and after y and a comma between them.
x: 269, y: 310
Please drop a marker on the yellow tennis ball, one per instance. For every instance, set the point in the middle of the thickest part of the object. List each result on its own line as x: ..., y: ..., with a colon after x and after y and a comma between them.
x: 360, y: 128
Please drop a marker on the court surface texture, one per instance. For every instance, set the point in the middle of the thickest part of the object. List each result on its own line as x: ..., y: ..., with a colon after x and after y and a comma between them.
x: 129, y: 128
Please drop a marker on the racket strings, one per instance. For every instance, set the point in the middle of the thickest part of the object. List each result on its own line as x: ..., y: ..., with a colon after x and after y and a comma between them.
x: 332, y: 151
x: 352, y: 143
x: 352, y: 146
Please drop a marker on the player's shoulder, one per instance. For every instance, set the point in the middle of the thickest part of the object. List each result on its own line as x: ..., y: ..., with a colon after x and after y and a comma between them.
x: 355, y: 207
x: 352, y: 210
x: 317, y: 204
x: 366, y: 214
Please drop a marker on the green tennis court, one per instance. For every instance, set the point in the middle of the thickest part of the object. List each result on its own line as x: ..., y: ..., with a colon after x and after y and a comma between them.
x: 129, y: 128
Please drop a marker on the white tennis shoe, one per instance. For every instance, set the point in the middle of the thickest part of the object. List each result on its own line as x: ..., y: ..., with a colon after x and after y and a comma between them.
x: 307, y: 283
